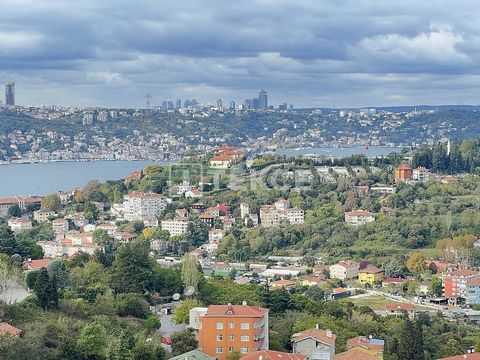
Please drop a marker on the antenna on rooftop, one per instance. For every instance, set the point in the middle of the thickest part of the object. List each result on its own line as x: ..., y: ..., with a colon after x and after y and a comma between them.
x: 189, y: 290
x: 148, y: 97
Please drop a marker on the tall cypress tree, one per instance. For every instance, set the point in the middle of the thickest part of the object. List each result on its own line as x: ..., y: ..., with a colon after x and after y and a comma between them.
x: 41, y: 288
x: 410, y: 341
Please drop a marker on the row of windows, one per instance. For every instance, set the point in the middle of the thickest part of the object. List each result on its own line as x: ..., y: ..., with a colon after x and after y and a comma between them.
x: 243, y: 326
x: 243, y: 350
x: 232, y: 338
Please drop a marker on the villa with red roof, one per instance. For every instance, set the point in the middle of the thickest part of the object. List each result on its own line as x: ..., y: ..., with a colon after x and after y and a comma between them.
x: 359, y: 217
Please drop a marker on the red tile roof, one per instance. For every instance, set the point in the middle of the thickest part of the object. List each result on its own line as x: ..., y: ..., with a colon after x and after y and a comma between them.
x: 370, y: 269
x: 236, y: 310
x: 463, y: 273
x: 272, y: 355
x: 357, y: 354
x: 400, y: 307
x: 37, y: 264
x: 472, y: 356
x: 359, y: 213
x: 9, y: 330
x: 317, y: 334
x: 393, y: 280
x: 363, y: 341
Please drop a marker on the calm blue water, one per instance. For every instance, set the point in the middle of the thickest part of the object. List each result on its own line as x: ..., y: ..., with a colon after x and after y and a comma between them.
x: 373, y: 151
x: 46, y: 178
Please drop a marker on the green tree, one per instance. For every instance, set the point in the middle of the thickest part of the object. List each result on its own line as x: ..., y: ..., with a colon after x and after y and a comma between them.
x: 181, y: 313
x: 46, y: 290
x: 132, y: 269
x: 191, y: 276
x: 410, y: 342
x: 132, y: 305
x: 183, y: 341
x: 14, y: 211
x: 152, y: 323
x: 92, y: 340
x: 119, y: 348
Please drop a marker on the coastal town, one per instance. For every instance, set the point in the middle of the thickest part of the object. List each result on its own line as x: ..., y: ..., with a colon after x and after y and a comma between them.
x: 54, y: 133
x: 184, y: 217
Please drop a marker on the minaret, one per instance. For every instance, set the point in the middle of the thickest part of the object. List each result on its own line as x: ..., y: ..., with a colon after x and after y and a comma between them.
x: 448, y: 146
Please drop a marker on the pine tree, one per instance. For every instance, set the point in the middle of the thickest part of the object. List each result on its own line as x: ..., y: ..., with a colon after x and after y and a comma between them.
x: 41, y: 288
x: 410, y: 342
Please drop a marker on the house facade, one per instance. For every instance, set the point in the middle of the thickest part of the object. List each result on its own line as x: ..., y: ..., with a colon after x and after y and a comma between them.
x: 224, y: 329
x: 315, y: 344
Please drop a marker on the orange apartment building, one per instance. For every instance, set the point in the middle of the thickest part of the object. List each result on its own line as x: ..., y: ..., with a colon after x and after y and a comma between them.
x: 403, y: 173
x: 227, y: 328
x: 455, y: 282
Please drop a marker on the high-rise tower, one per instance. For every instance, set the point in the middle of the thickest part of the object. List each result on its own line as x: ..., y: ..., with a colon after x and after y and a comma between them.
x: 10, y: 93
x: 263, y: 100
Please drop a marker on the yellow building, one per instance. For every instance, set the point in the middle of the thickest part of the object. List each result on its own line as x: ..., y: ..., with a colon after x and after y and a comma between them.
x: 370, y: 275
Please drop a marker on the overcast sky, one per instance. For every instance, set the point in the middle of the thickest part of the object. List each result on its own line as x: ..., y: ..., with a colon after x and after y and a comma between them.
x: 306, y: 52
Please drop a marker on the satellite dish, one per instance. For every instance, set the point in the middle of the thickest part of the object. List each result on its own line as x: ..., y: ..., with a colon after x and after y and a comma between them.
x: 189, y: 290
x: 176, y: 296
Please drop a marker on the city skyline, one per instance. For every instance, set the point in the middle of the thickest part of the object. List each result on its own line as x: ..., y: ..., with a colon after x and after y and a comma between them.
x: 311, y: 54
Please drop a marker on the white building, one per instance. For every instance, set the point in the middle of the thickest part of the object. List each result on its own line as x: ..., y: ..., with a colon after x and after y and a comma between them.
x: 138, y: 206
x: 175, y: 227
x: 42, y: 215
x: 60, y: 226
x: 244, y: 210
x: 383, y: 189
x: 272, y: 215
x: 19, y: 224
x: 344, y: 270
x: 421, y: 174
x: 359, y: 217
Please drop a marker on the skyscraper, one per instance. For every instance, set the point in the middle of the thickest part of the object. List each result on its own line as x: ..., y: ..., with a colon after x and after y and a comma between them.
x: 178, y: 103
x: 10, y: 93
x: 232, y: 105
x: 263, y: 100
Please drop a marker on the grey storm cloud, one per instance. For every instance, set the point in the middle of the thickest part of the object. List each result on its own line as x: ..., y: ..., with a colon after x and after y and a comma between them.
x: 309, y: 52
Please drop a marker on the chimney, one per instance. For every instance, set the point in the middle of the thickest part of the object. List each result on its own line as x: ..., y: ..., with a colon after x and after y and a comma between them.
x: 244, y: 303
x: 317, y: 326
x: 329, y: 333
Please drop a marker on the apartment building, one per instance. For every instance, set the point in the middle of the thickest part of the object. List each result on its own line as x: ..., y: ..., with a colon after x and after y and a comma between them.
x: 138, y: 206
x: 273, y: 215
x: 344, y: 270
x: 224, y: 329
x: 403, y: 173
x: 421, y: 174
x: 43, y: 215
x: 176, y: 226
x: 19, y: 224
x: 359, y: 217
x: 455, y: 282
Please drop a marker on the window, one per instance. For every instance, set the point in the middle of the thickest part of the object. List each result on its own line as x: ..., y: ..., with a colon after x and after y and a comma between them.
x: 219, y: 337
x: 244, y: 326
x: 230, y: 349
x: 231, y: 337
x: 231, y: 325
x: 244, y: 350
x: 244, y: 338
x: 219, y: 350
x: 219, y: 326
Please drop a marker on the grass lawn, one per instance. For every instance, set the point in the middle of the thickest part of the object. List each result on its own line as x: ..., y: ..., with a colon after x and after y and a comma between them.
x: 378, y: 302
